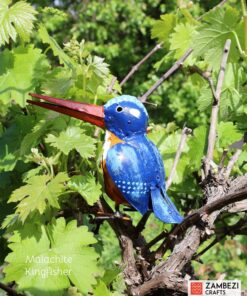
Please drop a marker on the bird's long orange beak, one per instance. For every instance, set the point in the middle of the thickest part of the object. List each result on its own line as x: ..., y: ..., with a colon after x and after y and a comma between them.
x: 87, y: 112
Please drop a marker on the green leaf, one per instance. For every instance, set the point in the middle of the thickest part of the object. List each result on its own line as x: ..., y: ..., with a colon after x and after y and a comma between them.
x: 181, y: 39
x: 73, y: 138
x: 46, y: 266
x: 168, y: 145
x: 232, y: 97
x: 101, y: 290
x: 87, y: 187
x: 232, y: 92
x: 22, y: 70
x: 209, y: 41
x: 58, y: 82
x: 205, y: 99
x: 162, y: 28
x: 31, y: 139
x: 111, y: 274
x: 15, y: 20
x: 64, y: 59
x: 227, y: 134
x: 39, y: 193
x: 197, y: 145
x: 99, y: 67
x: 10, y: 142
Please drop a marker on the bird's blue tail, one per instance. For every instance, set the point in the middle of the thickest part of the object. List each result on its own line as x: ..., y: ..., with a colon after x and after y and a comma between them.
x: 163, y: 207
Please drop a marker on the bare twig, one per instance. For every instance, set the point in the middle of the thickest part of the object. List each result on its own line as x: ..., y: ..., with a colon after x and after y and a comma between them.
x: 215, y: 108
x: 141, y: 224
x: 111, y: 85
x: 231, y: 162
x: 9, y: 290
x: 238, y: 228
x: 142, y: 61
x: 159, y: 237
x: 223, y: 157
x: 214, y: 242
x: 185, y: 132
x: 173, y: 69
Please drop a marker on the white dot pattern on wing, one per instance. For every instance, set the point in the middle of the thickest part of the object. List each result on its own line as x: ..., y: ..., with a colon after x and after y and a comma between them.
x: 132, y: 187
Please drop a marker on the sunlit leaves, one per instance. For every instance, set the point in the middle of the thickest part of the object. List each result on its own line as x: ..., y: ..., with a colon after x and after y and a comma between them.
x: 73, y: 138
x: 232, y: 95
x: 220, y: 25
x: 181, y: 39
x: 197, y: 146
x: 57, y: 51
x: 87, y: 187
x: 34, y: 267
x: 39, y: 193
x: 15, y: 20
x: 227, y: 134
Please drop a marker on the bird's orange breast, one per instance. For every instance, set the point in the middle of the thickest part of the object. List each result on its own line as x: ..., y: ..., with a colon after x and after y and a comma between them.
x: 110, y: 187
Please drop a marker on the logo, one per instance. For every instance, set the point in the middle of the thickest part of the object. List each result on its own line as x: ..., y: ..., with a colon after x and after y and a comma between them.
x: 219, y: 288
x: 196, y: 288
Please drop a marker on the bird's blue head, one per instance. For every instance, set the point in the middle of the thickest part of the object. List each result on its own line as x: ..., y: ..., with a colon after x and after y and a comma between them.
x: 125, y: 116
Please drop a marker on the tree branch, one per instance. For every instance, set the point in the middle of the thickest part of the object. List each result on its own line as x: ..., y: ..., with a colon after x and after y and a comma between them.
x: 9, y: 290
x: 215, y: 108
x: 185, y: 132
x: 197, y: 217
x: 223, y: 232
x: 111, y: 85
x: 142, y: 61
x: 166, y: 280
x: 237, y: 207
x: 168, y: 73
x: 141, y: 224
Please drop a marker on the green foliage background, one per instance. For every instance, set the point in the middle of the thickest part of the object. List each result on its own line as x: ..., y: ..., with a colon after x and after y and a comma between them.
x: 49, y: 163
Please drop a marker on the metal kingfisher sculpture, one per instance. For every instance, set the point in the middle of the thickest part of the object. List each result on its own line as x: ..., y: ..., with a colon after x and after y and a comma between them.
x: 132, y: 165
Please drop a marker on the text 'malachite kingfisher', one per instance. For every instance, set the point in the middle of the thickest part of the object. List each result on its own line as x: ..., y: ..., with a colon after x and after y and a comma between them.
x: 133, y: 168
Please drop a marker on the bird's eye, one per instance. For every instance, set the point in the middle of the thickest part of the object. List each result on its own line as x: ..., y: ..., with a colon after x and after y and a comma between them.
x: 119, y: 109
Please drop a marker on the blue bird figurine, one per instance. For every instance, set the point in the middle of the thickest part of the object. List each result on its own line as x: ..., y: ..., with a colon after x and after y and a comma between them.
x: 133, y: 169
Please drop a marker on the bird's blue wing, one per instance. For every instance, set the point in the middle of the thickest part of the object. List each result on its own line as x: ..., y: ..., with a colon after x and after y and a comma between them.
x: 126, y: 169
x: 163, y: 207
